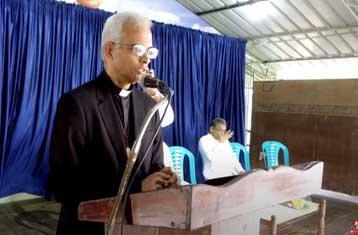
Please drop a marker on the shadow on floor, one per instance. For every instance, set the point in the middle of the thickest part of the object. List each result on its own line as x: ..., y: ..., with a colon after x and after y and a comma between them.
x: 35, y: 217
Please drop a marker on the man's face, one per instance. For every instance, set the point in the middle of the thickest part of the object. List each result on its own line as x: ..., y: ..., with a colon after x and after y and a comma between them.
x: 89, y: 3
x: 126, y: 66
x: 218, y: 131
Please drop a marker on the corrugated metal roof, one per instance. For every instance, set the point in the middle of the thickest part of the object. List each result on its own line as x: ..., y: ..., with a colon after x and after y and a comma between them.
x: 286, y: 35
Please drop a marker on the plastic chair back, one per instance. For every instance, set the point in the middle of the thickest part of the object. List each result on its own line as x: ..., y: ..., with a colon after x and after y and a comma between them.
x: 272, y: 149
x: 178, y: 154
x: 238, y: 149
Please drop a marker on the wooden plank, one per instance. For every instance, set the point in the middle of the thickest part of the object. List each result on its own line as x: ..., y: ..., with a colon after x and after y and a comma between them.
x: 146, y: 230
x: 316, y: 120
x: 230, y: 208
x: 331, y: 139
x: 135, y: 230
x: 248, y: 224
x: 253, y: 191
x: 212, y: 204
x: 174, y: 207
x: 95, y: 210
x: 168, y: 208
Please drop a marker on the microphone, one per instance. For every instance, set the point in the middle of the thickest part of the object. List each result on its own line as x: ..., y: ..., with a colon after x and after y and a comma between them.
x: 149, y: 80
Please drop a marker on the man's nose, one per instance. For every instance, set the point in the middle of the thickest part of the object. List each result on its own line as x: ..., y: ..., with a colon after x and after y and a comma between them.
x: 145, y: 58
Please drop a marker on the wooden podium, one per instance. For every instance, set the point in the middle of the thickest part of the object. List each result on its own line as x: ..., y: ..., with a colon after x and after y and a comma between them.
x: 231, y: 208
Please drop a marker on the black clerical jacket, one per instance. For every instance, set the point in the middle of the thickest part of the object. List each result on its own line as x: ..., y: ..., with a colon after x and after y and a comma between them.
x: 88, y: 153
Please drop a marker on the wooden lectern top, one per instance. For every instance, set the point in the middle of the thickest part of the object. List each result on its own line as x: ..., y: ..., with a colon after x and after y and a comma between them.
x: 195, y: 206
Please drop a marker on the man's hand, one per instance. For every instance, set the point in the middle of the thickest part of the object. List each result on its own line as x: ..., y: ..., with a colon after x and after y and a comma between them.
x: 152, y: 92
x: 225, y: 136
x: 162, y: 179
x: 174, y: 179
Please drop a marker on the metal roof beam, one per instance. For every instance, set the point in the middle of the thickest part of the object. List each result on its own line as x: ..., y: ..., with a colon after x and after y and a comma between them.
x: 236, y: 5
x: 350, y: 4
x: 292, y: 33
x: 313, y: 58
x: 255, y: 68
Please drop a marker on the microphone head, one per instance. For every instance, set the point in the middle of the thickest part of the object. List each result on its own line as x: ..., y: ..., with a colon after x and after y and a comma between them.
x: 145, y: 76
x: 147, y: 80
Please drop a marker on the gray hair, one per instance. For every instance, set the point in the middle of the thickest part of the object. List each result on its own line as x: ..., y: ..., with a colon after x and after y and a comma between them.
x: 112, y: 30
x: 217, y: 121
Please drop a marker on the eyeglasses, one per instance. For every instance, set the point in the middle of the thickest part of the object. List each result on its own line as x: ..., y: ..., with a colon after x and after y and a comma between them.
x: 220, y: 130
x: 139, y: 50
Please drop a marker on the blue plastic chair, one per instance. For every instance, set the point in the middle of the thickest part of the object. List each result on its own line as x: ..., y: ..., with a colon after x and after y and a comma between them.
x: 178, y: 154
x: 272, y: 149
x: 238, y: 148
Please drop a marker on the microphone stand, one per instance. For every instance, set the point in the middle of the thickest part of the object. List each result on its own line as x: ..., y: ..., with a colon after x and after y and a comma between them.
x: 132, y: 154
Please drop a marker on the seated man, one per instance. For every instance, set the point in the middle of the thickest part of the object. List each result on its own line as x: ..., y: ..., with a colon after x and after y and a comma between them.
x: 218, y: 157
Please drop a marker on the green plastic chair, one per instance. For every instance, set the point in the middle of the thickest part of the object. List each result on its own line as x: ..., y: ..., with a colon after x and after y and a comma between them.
x: 272, y: 149
x: 178, y: 153
x: 238, y: 148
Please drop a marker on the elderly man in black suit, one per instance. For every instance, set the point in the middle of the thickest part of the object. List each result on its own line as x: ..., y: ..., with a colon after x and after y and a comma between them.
x: 96, y: 122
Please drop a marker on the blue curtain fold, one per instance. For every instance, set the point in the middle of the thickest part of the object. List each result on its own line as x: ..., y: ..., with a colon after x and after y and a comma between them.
x: 48, y: 48
x: 207, y: 73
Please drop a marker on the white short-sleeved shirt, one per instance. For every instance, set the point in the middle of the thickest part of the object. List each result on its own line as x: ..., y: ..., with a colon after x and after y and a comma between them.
x: 218, y: 158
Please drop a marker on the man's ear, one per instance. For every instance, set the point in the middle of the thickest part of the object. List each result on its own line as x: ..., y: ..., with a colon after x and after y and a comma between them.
x: 211, y: 130
x: 107, y: 51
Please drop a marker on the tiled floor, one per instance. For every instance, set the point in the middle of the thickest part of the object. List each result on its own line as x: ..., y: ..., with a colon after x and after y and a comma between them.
x: 29, y: 217
x: 39, y: 217
x: 338, y: 220
x: 339, y: 217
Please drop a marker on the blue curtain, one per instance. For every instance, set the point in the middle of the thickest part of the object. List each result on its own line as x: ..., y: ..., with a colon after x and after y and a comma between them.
x: 48, y: 48
x: 207, y: 74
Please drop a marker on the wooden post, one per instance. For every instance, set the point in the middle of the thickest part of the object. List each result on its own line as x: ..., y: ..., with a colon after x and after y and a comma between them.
x: 322, y: 214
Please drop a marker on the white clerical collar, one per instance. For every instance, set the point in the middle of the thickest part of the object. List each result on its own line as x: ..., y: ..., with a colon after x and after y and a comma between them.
x: 124, y: 93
